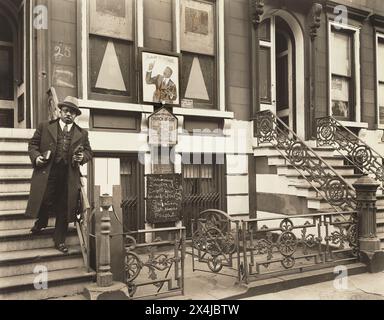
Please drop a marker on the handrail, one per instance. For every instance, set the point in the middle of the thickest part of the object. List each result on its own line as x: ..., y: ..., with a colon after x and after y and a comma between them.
x: 333, y: 187
x: 309, y: 215
x: 361, y: 154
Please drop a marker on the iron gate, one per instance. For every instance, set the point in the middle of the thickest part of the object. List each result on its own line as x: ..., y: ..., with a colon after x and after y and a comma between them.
x: 132, y: 189
x: 203, y: 188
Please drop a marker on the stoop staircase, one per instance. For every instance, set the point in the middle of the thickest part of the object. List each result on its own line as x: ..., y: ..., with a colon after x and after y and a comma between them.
x: 22, y: 252
x: 293, y: 182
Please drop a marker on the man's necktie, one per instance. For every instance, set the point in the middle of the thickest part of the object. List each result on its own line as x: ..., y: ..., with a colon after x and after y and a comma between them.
x: 66, y: 142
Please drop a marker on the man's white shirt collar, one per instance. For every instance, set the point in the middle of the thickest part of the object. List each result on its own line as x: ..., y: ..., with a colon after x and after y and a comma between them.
x: 62, y: 125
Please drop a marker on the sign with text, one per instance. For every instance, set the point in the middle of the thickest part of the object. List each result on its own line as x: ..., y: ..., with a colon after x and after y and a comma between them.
x: 162, y: 128
x: 164, y: 197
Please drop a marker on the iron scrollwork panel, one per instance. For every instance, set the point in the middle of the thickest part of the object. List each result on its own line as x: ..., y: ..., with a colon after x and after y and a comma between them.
x: 214, y: 241
x: 163, y: 266
x: 316, y: 241
x: 334, y: 189
x: 330, y: 132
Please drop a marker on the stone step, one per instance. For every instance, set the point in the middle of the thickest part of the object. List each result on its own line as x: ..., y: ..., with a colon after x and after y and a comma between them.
x: 12, y: 145
x: 289, y: 281
x: 19, y: 134
x: 61, y: 283
x: 15, y: 184
x: 290, y: 171
x: 16, y: 171
x: 24, y: 262
x: 23, y: 239
x: 272, y: 151
x: 280, y: 160
x: 319, y: 204
x: 350, y: 178
x: 6, y: 158
x: 380, y: 235
x: 13, y: 201
x: 16, y: 222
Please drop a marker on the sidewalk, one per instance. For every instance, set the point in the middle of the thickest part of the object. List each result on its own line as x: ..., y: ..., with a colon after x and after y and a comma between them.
x: 209, y: 286
x: 360, y: 287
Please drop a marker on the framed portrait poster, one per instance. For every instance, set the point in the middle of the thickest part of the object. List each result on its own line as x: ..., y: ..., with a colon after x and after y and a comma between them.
x: 160, y: 78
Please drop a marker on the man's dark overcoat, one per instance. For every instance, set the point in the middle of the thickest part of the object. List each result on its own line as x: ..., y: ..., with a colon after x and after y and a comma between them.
x: 44, y: 139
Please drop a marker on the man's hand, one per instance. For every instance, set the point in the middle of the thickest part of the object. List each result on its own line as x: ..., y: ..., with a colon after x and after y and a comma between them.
x: 78, y: 157
x: 151, y: 65
x: 41, y: 161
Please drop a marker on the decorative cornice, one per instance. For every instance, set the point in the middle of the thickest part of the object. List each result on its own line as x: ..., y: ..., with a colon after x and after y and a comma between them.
x: 377, y: 20
x: 315, y: 19
x: 257, y: 10
x: 353, y: 13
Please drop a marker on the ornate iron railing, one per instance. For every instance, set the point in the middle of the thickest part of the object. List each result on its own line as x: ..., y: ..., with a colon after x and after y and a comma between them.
x: 314, y: 169
x: 298, y: 243
x: 331, y: 132
x: 163, y: 261
x: 253, y: 249
x: 215, y: 243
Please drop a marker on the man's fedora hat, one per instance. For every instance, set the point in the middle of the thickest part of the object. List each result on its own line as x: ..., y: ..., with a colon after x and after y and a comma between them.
x: 70, y: 102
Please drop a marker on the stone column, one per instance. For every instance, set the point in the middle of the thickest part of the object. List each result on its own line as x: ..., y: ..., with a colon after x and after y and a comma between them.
x: 369, y: 243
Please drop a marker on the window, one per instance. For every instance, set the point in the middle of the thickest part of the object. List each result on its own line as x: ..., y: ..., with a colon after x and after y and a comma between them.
x: 111, y: 50
x: 380, y: 77
x: 342, y: 80
x: 198, y: 47
x: 344, y: 73
x: 6, y: 60
x: 266, y: 47
x: 6, y: 72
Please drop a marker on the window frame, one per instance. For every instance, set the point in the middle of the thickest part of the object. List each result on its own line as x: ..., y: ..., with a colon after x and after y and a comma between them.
x: 86, y: 89
x: 87, y: 101
x: 216, y: 75
x: 219, y: 85
x: 355, y: 71
x: 379, y: 38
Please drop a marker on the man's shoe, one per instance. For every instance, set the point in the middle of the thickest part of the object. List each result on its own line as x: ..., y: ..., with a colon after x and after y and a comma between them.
x: 36, y: 230
x: 62, y: 248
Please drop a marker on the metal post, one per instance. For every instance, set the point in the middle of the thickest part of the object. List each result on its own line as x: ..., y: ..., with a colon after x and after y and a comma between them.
x: 369, y: 243
x: 104, y: 274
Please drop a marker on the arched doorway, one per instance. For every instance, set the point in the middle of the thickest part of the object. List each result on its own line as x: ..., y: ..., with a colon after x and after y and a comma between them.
x: 281, y: 69
x: 12, y: 65
x: 7, y: 97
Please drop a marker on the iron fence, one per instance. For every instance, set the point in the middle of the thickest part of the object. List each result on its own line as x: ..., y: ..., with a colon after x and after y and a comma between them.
x: 298, y: 243
x: 155, y: 268
x: 253, y: 249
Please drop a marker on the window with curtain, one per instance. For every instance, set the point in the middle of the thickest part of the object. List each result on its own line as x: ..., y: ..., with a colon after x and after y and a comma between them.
x: 342, y: 75
x: 380, y: 78
x: 265, y: 81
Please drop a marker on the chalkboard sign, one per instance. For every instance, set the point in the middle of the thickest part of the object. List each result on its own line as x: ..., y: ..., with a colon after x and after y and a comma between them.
x: 164, y: 196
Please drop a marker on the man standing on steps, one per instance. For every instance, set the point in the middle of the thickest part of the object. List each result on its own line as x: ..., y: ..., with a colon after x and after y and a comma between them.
x: 57, y: 149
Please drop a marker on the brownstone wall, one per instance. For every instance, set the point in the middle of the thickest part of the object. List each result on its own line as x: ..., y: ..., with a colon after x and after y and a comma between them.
x: 158, y: 30
x: 63, y: 47
x: 238, y: 71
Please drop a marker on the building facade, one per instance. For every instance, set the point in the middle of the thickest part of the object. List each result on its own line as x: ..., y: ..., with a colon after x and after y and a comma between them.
x: 301, y: 59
